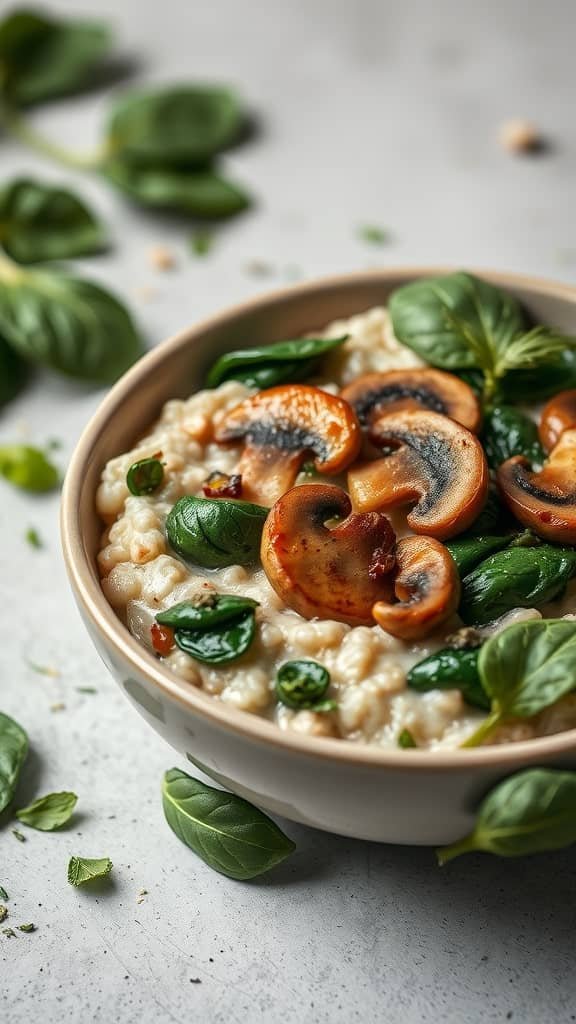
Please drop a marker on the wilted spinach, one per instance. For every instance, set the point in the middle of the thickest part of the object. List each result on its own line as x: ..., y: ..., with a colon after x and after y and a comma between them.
x: 520, y: 577
x: 41, y: 222
x: 278, y: 363
x: 216, y: 532
x: 468, y: 552
x: 303, y: 684
x: 217, y: 629
x: 451, y: 669
x: 507, y: 432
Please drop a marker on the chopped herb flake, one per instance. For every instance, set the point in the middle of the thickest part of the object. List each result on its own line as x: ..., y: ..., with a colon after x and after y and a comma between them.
x: 3, y: 912
x: 86, y: 869
x: 33, y: 538
x: 26, y: 927
x: 3, y: 893
x: 18, y: 835
x: 86, y: 689
x: 9, y: 932
x: 43, y: 670
x: 373, y: 234
x: 201, y: 242
x: 406, y: 740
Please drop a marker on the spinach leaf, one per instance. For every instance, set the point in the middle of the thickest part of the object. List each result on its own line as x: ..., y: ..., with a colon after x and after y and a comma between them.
x: 468, y: 552
x: 494, y: 518
x: 13, y: 751
x: 267, y: 365
x: 27, y: 468
x: 211, y: 610
x: 406, y: 740
x: 86, y: 869
x: 303, y: 684
x: 516, y: 578
x: 49, y: 812
x: 13, y: 373
x: 174, y: 126
x: 215, y: 532
x: 451, y: 669
x: 536, y: 385
x: 524, y: 669
x: 225, y: 831
x: 145, y: 476
x: 508, y: 432
x: 219, y: 644
x: 199, y: 193
x: 65, y: 323
x: 40, y: 222
x: 531, y: 812
x: 42, y: 57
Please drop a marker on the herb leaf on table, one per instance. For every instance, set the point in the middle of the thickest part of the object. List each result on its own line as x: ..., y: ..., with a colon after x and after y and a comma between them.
x: 42, y: 222
x: 86, y: 869
x: 28, y: 468
x: 49, y: 812
x: 13, y: 751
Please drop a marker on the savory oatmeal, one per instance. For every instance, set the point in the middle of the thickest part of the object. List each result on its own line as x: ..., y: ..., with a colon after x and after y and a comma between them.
x: 333, y: 507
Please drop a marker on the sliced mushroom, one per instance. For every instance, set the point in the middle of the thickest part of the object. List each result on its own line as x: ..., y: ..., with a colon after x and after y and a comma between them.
x: 544, y: 501
x: 376, y: 393
x: 335, y: 572
x: 558, y: 415
x: 435, y: 464
x: 426, y: 585
x: 281, y: 427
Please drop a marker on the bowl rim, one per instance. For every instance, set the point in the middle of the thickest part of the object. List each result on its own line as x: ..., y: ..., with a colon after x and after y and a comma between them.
x: 247, y: 725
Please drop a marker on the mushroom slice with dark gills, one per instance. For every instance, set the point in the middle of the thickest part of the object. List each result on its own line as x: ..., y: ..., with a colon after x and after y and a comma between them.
x: 426, y: 586
x: 558, y: 415
x: 376, y: 393
x: 283, y: 426
x: 433, y: 463
x: 324, y: 569
x: 544, y: 501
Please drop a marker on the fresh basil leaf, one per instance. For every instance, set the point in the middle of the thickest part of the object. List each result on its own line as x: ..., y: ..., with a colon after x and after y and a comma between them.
x: 451, y: 669
x: 13, y: 751
x: 468, y: 552
x: 507, y: 432
x: 225, y: 831
x: 536, y: 385
x: 538, y: 347
x: 199, y: 193
x: 13, y: 373
x: 40, y: 222
x: 175, y: 126
x: 267, y: 365
x: 531, y: 812
x: 145, y: 476
x: 211, y: 610
x: 406, y: 740
x: 456, y: 321
x: 216, y: 532
x: 68, y: 324
x: 516, y: 578
x: 86, y: 869
x: 42, y: 57
x: 27, y: 468
x: 303, y: 684
x: 49, y: 812
x: 219, y: 644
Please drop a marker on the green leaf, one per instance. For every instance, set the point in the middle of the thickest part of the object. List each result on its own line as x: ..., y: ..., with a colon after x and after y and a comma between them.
x: 49, y: 812
x: 226, y: 832
x: 267, y: 365
x: 540, y: 346
x: 26, y: 927
x: 406, y: 740
x: 13, y: 750
x: 494, y: 518
x: 531, y: 812
x: 303, y: 684
x: 43, y: 57
x: 27, y: 468
x: 33, y: 538
x: 541, y: 383
x: 507, y: 432
x: 456, y: 321
x: 201, y: 242
x: 174, y: 126
x: 210, y: 610
x: 86, y: 869
x: 145, y: 476
x: 68, y: 324
x: 373, y: 234
x: 516, y: 578
x: 40, y: 222
x: 216, y: 532
x: 468, y: 552
x: 3, y: 893
x: 451, y: 669
x: 13, y: 373
x: 198, y: 193
x: 219, y: 644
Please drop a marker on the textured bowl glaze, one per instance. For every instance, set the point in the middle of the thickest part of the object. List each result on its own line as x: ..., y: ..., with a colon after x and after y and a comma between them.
x: 399, y: 796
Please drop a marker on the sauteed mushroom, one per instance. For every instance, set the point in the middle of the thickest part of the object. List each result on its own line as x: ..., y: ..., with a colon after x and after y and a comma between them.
x: 544, y: 501
x: 283, y: 425
x: 558, y: 415
x: 436, y: 464
x: 376, y: 393
x: 427, y: 588
x: 335, y: 572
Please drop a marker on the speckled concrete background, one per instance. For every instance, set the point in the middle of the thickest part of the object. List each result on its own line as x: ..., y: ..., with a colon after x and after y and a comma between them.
x: 372, y: 112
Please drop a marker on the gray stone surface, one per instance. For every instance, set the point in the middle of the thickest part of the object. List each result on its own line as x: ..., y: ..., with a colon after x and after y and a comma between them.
x: 371, y: 112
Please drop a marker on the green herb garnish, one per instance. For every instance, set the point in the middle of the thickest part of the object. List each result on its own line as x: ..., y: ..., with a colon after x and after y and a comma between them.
x: 86, y: 869
x: 27, y: 468
x: 373, y: 234
x: 406, y: 740
x: 303, y: 684
x: 216, y: 532
x: 13, y: 751
x: 519, y: 577
x: 3, y: 913
x: 267, y: 365
x: 48, y: 813
x: 201, y: 242
x: 3, y: 893
x: 215, y: 630
x: 33, y: 538
x: 26, y: 927
x: 40, y: 222
x: 145, y: 476
x: 18, y: 835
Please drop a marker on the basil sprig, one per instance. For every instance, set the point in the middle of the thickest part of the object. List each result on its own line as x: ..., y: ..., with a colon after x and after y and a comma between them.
x: 225, y: 831
x: 13, y: 751
x: 40, y: 222
x: 268, y: 365
x: 27, y: 468
x: 531, y: 812
x: 49, y: 812
x: 145, y: 476
x: 524, y: 669
x: 216, y: 532
x: 217, y: 629
x: 303, y: 684
x: 519, y: 577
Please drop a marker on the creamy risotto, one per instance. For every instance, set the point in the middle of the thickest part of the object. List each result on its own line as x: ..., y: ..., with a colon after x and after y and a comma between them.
x: 370, y: 700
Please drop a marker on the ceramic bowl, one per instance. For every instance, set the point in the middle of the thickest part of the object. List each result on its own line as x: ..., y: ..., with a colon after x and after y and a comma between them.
x: 356, y: 790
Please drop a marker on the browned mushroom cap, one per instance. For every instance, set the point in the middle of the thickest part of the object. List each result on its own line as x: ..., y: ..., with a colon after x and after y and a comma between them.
x: 558, y: 415
x: 376, y: 393
x: 544, y: 501
x: 284, y: 425
x: 336, y: 572
x: 427, y: 587
x: 435, y: 463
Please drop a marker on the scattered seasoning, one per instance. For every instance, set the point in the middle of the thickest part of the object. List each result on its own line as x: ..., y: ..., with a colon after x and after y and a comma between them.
x: 43, y: 670
x: 3, y: 893
x: 58, y: 706
x: 26, y: 927
x: 9, y: 932
x: 258, y: 268
x: 141, y: 895
x: 161, y: 258
x: 86, y: 689
x: 33, y: 538
x: 406, y: 740
x: 222, y: 485
x: 201, y: 242
x: 3, y: 913
x: 18, y: 835
x: 195, y: 981
x: 520, y: 136
x: 373, y: 234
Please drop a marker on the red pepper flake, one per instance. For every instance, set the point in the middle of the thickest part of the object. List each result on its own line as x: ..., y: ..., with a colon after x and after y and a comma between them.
x: 162, y: 638
x: 220, y: 485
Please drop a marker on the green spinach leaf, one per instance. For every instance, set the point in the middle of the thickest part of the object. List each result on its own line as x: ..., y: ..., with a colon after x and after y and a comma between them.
x: 13, y: 373
x: 468, y: 552
x: 145, y: 476
x: 40, y: 222
x: 86, y: 869
x: 406, y: 740
x: 531, y: 812
x: 27, y: 468
x: 303, y: 684
x: 216, y: 532
x: 198, y: 193
x: 219, y: 644
x: 451, y: 669
x: 519, y: 577
x: 225, y: 831
x: 13, y: 751
x: 508, y: 432
x: 267, y: 365
x: 49, y: 812
x: 536, y: 385
x: 209, y: 611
